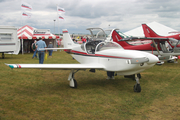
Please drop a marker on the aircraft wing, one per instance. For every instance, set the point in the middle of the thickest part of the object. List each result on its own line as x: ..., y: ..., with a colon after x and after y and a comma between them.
x: 71, y: 66
x: 57, y: 66
x: 144, y: 38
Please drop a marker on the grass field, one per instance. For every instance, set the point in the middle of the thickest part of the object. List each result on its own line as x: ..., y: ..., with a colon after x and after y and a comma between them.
x: 33, y: 94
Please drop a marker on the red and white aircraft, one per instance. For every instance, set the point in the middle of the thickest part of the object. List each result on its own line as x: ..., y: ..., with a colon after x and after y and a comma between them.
x: 107, y: 56
x: 174, y: 39
x: 158, y: 46
x: 148, y: 32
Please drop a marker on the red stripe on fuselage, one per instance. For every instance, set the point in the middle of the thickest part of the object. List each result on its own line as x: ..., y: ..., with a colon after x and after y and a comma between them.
x: 97, y: 55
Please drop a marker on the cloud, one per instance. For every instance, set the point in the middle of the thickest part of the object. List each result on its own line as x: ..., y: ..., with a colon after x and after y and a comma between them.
x: 81, y: 14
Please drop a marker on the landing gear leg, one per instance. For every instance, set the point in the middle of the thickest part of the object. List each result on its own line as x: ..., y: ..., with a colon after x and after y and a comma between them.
x: 72, y: 81
x: 137, y: 87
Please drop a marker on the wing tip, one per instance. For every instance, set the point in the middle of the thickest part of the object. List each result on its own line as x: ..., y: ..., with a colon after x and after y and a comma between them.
x: 11, y: 66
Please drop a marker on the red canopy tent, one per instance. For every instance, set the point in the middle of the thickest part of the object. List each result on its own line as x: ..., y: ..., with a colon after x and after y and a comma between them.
x: 28, y: 34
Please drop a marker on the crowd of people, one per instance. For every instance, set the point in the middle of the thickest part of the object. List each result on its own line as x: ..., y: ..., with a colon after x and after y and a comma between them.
x: 80, y: 39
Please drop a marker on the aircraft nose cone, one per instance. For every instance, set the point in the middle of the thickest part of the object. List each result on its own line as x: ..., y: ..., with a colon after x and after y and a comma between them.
x: 152, y: 59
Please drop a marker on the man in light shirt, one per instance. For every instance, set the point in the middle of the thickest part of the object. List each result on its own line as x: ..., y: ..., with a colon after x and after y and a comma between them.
x: 41, y: 44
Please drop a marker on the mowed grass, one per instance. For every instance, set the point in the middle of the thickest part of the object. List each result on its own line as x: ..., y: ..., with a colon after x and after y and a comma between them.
x: 33, y: 94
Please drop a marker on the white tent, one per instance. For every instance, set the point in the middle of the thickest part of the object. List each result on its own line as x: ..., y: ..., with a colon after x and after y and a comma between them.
x: 155, y: 26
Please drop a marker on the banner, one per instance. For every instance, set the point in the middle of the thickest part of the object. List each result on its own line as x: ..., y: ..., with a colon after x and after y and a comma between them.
x: 41, y: 32
x: 25, y: 6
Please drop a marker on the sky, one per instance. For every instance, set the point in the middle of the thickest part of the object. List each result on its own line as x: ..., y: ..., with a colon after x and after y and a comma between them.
x: 82, y: 14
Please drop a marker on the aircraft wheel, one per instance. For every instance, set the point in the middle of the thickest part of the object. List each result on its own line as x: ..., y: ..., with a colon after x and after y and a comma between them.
x: 73, y: 83
x: 137, y: 88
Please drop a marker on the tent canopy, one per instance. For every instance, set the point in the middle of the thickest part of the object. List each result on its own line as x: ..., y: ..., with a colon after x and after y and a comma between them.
x: 28, y: 32
x: 155, y: 26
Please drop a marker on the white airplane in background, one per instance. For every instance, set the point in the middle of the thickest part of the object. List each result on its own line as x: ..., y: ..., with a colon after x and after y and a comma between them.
x: 107, y: 56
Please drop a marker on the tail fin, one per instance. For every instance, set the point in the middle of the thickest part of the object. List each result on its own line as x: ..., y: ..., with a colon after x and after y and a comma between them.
x: 67, y: 41
x: 116, y: 37
x: 148, y: 32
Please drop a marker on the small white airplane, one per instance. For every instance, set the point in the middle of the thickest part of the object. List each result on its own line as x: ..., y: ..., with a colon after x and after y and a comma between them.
x: 107, y: 56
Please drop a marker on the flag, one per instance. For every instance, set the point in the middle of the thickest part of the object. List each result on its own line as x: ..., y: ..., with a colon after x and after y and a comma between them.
x: 26, y: 14
x: 60, y: 17
x: 60, y: 10
x: 26, y: 6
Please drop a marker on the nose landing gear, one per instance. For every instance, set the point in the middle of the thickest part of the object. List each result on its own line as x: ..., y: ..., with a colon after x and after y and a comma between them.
x: 137, y: 87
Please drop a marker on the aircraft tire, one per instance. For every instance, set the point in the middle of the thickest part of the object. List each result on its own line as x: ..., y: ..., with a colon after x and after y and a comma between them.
x: 137, y: 88
x: 75, y: 84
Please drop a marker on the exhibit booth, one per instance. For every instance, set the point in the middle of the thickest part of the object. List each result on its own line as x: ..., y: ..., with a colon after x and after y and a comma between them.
x: 28, y: 35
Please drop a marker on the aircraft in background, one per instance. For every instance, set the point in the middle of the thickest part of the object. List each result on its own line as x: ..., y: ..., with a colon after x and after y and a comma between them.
x: 174, y: 39
x: 100, y: 55
x: 164, y: 48
x: 148, y: 32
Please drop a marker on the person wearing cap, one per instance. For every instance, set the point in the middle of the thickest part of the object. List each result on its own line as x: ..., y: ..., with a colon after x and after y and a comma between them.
x: 41, y: 45
x: 50, y: 51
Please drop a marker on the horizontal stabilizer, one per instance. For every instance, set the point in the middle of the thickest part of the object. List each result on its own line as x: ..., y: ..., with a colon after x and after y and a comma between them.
x: 138, y: 60
x: 164, y: 57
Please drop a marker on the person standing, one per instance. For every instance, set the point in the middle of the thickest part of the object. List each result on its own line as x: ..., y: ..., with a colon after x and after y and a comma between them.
x: 34, y: 48
x: 40, y: 45
x: 50, y: 51
x: 84, y: 40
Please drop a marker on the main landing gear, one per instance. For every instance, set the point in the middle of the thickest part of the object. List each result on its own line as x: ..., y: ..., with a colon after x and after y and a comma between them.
x: 137, y: 87
x: 72, y: 81
x: 136, y: 77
